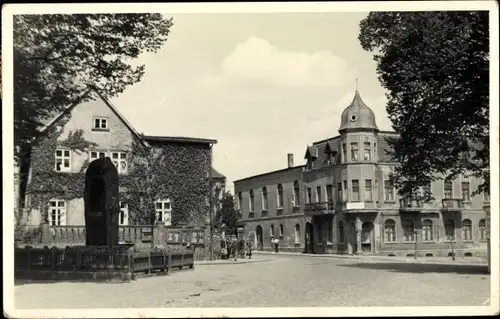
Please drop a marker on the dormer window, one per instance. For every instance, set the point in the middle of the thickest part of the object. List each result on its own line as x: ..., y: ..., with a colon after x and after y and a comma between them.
x: 309, y: 164
x: 101, y: 123
x: 331, y: 158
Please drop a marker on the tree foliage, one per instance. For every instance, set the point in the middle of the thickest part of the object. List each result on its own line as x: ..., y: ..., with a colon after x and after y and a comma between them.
x: 435, y: 66
x: 58, y: 56
x: 227, y: 214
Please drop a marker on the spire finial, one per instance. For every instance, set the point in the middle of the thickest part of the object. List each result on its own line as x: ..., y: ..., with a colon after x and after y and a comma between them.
x: 357, y: 84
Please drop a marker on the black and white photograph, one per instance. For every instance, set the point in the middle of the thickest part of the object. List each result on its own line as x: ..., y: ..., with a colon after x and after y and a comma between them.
x: 250, y: 159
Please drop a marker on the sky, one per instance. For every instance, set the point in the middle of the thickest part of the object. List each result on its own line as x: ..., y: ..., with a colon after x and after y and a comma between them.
x: 264, y: 85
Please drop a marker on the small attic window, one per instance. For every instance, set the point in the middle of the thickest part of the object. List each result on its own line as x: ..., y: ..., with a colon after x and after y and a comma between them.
x: 100, y: 123
x: 353, y: 118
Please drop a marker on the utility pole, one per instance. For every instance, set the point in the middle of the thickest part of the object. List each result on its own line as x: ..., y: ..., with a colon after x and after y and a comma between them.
x: 416, y: 243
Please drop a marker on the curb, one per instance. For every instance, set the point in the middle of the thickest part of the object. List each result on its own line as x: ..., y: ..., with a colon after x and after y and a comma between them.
x: 374, y: 259
x: 226, y: 262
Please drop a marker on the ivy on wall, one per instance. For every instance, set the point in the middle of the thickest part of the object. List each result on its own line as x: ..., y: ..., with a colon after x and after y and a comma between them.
x: 46, y: 183
x: 175, y: 171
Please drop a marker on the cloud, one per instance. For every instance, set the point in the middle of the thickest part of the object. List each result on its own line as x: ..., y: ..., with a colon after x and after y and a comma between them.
x: 257, y: 60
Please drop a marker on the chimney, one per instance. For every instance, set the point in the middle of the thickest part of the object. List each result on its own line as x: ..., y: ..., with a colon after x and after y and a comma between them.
x: 290, y: 160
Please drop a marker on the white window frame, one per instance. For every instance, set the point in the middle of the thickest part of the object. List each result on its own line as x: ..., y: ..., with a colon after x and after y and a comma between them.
x: 59, y: 209
x: 101, y: 120
x: 98, y: 154
x: 280, y: 198
x: 65, y: 155
x: 444, y: 189
x: 164, y: 213
x: 369, y: 149
x: 251, y: 201
x: 265, y: 199
x: 297, y: 233
x: 393, y: 232
x: 319, y: 194
x: 471, y: 232
x: 370, y: 199
x: 121, y: 157
x: 468, y: 191
x: 123, y: 211
x: 385, y: 192
x: 354, y: 151
x: 281, y: 230
x: 296, y: 195
x: 431, y: 231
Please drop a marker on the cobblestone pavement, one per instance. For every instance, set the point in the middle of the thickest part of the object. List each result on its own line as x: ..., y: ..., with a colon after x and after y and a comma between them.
x: 281, y: 281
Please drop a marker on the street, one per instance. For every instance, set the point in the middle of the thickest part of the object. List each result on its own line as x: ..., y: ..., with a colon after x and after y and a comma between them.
x: 274, y: 281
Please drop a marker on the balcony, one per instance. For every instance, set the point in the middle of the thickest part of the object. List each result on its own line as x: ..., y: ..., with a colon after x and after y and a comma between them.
x: 410, y: 205
x: 453, y: 205
x: 321, y: 208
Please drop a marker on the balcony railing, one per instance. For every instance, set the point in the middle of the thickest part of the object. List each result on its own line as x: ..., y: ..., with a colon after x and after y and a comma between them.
x: 410, y: 204
x: 453, y: 204
x: 319, y: 208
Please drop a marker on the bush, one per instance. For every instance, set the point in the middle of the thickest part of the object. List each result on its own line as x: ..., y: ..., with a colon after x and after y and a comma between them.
x: 27, y: 235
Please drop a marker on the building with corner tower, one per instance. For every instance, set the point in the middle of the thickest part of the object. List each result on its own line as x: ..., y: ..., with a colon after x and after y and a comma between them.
x: 342, y: 201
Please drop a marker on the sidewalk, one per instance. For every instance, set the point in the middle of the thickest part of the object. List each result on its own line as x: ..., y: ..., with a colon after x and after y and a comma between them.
x: 255, y: 259
x: 473, y: 261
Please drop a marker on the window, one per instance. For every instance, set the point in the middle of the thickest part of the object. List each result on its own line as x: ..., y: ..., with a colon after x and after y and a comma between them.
x: 344, y: 193
x: 329, y: 193
x: 389, y: 231
x: 341, y: 232
x: 374, y: 151
x: 466, y: 191
x: 309, y: 165
x: 467, y: 230
x: 252, y: 201
x: 280, y: 196
x: 318, y: 194
x: 367, y: 151
x: 123, y: 218
x: 448, y: 189
x: 388, y: 191
x: 355, y: 190
x: 354, y: 151
x: 427, y: 230
x: 63, y: 160
x: 95, y: 155
x: 264, y: 198
x: 331, y: 158
x: 119, y: 159
x: 296, y: 194
x: 486, y: 195
x: 309, y: 195
x: 449, y: 228
x: 164, y: 211
x: 57, y: 212
x: 482, y: 229
x: 344, y: 152
x: 368, y: 190
x: 240, y: 200
x: 100, y: 123
x: 339, y: 192
x: 297, y: 234
x: 282, y: 230
x: 271, y: 231
x: 408, y: 230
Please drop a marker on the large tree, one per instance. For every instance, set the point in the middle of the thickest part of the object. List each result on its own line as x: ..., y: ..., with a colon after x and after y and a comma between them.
x: 227, y: 214
x: 435, y: 66
x: 58, y: 56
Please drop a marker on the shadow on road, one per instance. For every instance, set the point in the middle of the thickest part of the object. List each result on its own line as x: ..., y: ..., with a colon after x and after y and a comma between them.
x: 423, y: 268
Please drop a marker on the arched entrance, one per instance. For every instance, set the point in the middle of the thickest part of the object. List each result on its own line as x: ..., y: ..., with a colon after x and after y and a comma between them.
x: 366, y: 237
x: 309, y: 238
x: 259, y: 241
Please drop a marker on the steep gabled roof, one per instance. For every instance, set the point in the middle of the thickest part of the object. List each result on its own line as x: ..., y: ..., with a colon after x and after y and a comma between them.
x: 100, y: 96
x: 312, y: 151
x: 217, y: 175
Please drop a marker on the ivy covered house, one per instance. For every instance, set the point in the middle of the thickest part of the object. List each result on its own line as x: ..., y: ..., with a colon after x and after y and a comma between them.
x: 161, y: 179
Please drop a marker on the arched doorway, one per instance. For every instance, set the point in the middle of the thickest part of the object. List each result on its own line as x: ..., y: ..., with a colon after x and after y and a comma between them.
x: 309, y: 239
x: 259, y: 241
x: 366, y: 237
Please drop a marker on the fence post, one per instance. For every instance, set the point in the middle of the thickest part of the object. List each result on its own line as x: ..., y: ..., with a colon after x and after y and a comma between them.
x: 46, y: 234
x: 169, y: 262
x: 28, y: 257
x: 159, y: 234
x: 53, y: 251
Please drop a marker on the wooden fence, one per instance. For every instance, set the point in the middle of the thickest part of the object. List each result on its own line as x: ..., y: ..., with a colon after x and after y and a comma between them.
x: 160, y: 235
x: 100, y: 259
